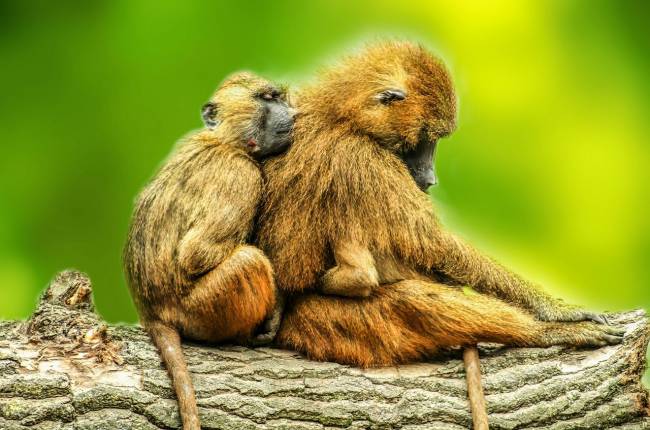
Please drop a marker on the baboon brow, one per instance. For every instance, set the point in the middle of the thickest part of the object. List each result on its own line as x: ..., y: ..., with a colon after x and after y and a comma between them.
x: 270, y: 93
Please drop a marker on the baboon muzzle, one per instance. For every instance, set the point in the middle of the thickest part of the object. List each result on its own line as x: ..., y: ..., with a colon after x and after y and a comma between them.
x: 420, y: 163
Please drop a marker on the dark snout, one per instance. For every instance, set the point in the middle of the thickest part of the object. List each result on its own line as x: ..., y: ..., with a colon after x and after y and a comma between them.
x: 420, y: 163
x: 279, y: 118
x: 428, y: 179
x: 278, y: 125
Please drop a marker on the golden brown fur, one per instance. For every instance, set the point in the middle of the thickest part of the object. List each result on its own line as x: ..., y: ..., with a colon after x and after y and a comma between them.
x: 188, y: 266
x: 342, y: 190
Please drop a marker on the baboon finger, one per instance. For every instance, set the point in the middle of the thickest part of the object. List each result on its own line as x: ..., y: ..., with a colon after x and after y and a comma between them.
x: 616, y: 331
x: 599, y: 318
x: 612, y: 340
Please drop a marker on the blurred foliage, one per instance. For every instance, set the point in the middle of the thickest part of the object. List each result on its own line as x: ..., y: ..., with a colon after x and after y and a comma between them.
x: 548, y: 170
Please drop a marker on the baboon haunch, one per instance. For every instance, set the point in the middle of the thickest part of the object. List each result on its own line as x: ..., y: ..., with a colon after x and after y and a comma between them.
x: 188, y: 266
x: 344, y: 214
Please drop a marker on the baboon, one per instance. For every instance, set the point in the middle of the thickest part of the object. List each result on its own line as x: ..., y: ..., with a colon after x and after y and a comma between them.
x: 189, y: 268
x: 345, y: 215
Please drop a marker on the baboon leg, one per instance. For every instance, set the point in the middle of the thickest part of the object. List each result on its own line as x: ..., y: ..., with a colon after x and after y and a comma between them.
x: 231, y: 300
x: 354, y: 275
x: 411, y: 320
x: 466, y: 266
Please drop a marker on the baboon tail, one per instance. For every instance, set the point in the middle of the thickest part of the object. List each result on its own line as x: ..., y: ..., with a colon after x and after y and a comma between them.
x: 168, y: 342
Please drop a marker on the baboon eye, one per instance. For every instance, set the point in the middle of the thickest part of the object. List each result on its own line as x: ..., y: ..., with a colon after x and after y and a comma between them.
x: 389, y: 96
x: 270, y: 95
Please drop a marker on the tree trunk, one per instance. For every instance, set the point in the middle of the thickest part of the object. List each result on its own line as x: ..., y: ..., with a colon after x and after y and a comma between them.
x: 65, y: 369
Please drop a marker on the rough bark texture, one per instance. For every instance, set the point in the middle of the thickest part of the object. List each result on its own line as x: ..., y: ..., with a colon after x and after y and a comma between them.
x: 65, y: 369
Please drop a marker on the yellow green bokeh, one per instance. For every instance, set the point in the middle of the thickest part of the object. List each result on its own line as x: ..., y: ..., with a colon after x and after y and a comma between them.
x: 548, y: 171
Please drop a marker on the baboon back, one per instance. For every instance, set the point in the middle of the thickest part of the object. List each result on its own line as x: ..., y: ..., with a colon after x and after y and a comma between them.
x: 203, y: 187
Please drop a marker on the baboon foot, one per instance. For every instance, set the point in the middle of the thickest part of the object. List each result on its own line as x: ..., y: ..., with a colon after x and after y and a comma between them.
x: 580, y: 334
x: 270, y: 326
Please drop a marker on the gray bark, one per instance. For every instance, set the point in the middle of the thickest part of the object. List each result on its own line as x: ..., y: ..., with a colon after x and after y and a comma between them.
x: 65, y: 369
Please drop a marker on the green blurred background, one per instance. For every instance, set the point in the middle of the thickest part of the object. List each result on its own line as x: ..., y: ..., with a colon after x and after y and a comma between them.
x: 548, y: 170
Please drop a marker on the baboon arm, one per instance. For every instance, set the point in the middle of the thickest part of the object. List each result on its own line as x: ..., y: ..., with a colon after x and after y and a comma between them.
x: 222, y: 215
x: 197, y: 254
x: 466, y: 266
x: 354, y: 275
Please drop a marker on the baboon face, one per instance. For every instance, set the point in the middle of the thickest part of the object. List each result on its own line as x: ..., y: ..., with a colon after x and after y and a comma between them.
x: 401, y: 96
x: 254, y: 110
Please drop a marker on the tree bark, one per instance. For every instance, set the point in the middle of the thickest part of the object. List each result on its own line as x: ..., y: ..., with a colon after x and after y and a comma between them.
x: 65, y: 369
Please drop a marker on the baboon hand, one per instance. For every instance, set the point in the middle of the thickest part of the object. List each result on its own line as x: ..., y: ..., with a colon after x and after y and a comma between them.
x: 349, y: 281
x: 583, y: 334
x: 558, y: 311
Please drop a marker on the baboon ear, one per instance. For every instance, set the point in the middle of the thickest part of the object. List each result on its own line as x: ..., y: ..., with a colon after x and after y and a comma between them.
x: 209, y: 115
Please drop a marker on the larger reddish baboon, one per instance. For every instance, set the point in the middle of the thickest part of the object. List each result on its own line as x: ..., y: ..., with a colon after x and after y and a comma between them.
x: 343, y: 215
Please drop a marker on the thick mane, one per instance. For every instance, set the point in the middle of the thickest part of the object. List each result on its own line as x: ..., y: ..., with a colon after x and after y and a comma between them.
x: 330, y: 186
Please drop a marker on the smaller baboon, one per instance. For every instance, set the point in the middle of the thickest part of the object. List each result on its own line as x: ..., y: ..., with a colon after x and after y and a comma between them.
x: 188, y: 265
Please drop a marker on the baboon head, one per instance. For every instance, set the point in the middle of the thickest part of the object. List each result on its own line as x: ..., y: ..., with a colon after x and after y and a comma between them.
x: 252, y: 113
x: 398, y: 94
